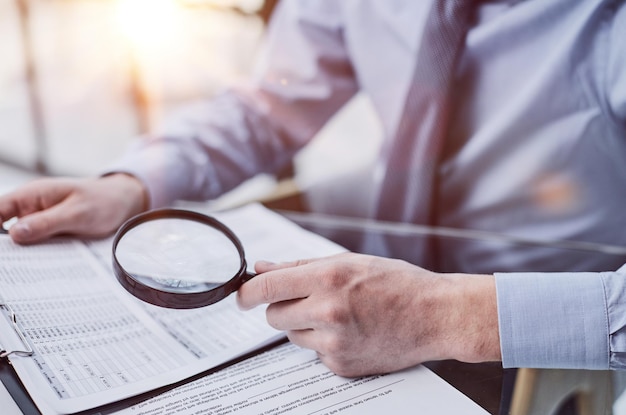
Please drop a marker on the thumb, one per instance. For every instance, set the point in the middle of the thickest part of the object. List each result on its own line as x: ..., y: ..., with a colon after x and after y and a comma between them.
x: 40, y: 225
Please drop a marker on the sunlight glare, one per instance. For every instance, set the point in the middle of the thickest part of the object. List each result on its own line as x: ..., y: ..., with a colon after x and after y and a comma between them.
x: 146, y: 22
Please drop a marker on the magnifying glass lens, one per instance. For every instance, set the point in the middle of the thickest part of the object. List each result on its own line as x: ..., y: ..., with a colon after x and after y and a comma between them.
x: 178, y: 259
x: 178, y: 255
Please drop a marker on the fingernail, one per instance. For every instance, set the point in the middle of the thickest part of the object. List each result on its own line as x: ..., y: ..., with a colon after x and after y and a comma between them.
x: 21, y: 230
x: 266, y: 263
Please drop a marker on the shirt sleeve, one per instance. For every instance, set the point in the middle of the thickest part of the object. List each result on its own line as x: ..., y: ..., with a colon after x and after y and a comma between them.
x: 302, y: 78
x: 563, y: 320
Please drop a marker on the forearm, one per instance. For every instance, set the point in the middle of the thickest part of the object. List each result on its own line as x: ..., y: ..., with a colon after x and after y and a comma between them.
x: 204, y: 151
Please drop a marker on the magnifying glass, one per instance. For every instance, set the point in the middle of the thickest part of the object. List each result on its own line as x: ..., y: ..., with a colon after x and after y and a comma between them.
x: 177, y: 258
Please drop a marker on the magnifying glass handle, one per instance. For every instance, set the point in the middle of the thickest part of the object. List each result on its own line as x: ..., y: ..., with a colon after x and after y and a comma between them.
x: 248, y: 276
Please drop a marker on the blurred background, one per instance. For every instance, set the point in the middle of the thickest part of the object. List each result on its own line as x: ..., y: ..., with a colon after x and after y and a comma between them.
x: 80, y: 78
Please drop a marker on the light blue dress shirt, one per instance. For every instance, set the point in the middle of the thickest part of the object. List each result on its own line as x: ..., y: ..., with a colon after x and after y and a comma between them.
x: 537, y: 146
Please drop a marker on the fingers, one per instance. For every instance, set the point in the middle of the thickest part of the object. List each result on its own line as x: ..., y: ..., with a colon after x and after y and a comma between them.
x: 338, y: 358
x: 41, y: 225
x: 41, y: 209
x: 34, y: 196
x: 275, y: 283
x: 18, y: 203
x: 86, y: 207
x: 290, y: 315
x: 27, y: 201
x: 265, y: 266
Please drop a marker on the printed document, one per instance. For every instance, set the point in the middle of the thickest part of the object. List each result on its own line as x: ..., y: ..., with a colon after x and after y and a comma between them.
x: 291, y: 380
x: 94, y: 343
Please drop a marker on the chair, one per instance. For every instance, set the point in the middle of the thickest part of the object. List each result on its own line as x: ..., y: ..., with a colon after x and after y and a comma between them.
x: 545, y: 391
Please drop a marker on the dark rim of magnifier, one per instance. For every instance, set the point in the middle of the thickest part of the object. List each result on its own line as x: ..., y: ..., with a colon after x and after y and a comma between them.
x: 170, y: 299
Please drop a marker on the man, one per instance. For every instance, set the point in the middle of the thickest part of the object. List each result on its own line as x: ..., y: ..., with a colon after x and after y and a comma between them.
x: 534, y: 145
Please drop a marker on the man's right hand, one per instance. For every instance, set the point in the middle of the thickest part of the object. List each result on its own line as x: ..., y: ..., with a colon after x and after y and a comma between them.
x: 93, y: 207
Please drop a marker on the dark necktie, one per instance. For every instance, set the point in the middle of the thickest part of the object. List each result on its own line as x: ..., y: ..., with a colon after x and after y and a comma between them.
x: 408, y: 184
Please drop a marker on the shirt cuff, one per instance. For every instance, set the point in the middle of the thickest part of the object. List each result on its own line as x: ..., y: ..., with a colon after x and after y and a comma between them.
x: 553, y: 320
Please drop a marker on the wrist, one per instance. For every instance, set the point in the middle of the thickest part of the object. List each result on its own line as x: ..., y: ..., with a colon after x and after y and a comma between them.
x: 472, y: 324
x: 134, y: 191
